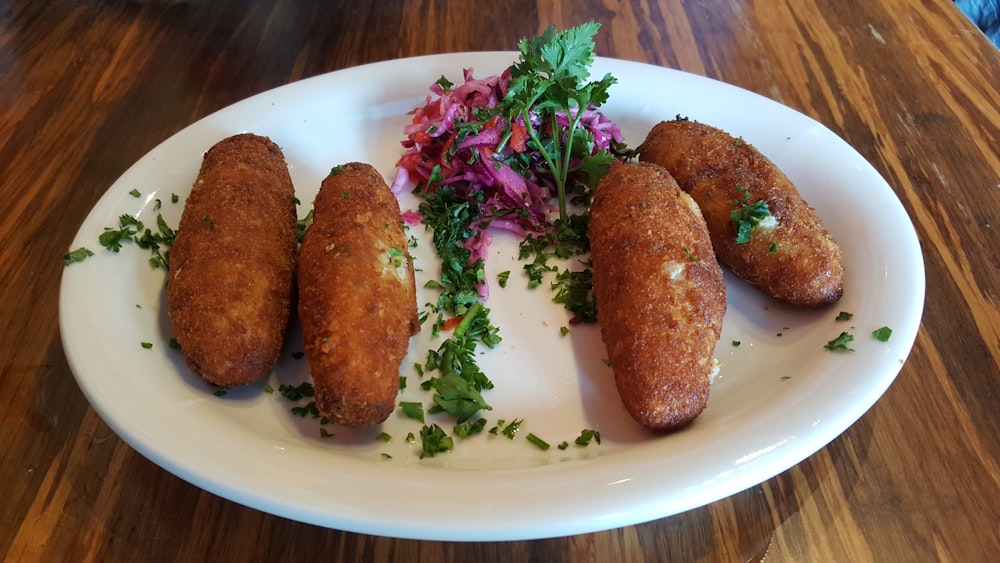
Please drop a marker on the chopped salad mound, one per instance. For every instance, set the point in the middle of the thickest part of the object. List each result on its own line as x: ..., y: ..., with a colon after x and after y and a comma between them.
x: 517, y: 145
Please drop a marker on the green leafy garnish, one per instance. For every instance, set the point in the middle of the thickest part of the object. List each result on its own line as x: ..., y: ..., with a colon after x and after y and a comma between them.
x: 551, y: 76
x: 841, y: 343
x: 573, y: 288
x: 434, y: 441
x: 296, y: 392
x: 412, y: 410
x: 882, y: 334
x: 510, y: 430
x: 541, y: 444
x: 586, y: 436
x: 747, y: 218
x: 844, y: 316
x: 469, y: 428
x: 132, y: 230
x: 78, y: 255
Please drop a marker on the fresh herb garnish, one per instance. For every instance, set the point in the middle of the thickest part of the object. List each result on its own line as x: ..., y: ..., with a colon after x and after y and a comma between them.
x: 748, y: 217
x: 132, y: 230
x: 469, y: 428
x: 78, y: 255
x: 540, y: 443
x: 586, y: 436
x: 841, y: 343
x: 882, y: 334
x: 844, y: 316
x: 434, y: 441
x: 412, y: 410
x: 550, y: 79
x: 510, y: 429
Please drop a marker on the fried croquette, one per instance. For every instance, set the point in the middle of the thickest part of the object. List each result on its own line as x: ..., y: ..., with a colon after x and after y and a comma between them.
x: 783, y: 248
x: 659, y: 292
x: 357, y: 296
x: 232, y: 263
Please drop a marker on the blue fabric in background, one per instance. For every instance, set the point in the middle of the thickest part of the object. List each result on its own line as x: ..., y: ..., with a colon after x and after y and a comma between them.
x: 985, y: 14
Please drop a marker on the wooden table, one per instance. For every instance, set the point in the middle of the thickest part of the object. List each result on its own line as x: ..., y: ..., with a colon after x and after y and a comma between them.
x: 87, y: 88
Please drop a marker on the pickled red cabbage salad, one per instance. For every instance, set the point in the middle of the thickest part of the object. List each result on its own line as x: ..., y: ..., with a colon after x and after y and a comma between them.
x: 520, y: 152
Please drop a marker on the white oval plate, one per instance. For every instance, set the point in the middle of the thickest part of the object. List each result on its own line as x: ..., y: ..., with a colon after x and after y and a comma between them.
x: 780, y: 395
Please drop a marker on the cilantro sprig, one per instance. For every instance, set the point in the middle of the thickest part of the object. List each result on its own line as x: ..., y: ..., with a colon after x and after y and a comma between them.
x: 550, y: 79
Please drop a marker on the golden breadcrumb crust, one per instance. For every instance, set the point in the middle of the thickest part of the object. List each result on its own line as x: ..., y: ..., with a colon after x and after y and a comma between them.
x: 659, y: 291
x: 357, y: 296
x: 232, y: 263
x: 795, y: 261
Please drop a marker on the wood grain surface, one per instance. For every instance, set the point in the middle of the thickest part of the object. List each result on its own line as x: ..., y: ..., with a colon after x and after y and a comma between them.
x: 87, y: 87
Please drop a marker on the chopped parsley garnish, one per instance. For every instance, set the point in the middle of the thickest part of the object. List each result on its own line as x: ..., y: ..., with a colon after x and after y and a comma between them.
x: 747, y: 218
x: 736, y: 343
x: 132, y: 230
x: 78, y: 255
x: 541, y: 444
x: 470, y: 428
x: 383, y: 437
x: 412, y: 410
x: 586, y: 436
x: 502, y: 278
x: 134, y: 193
x: 573, y: 288
x: 510, y: 430
x: 296, y: 392
x: 434, y: 441
x: 841, y: 343
x: 451, y: 218
x: 146, y: 345
x: 882, y: 334
x: 844, y: 316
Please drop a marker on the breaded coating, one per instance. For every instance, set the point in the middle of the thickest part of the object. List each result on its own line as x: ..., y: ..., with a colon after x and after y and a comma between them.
x: 357, y: 296
x: 659, y: 291
x: 790, y: 256
x: 232, y: 263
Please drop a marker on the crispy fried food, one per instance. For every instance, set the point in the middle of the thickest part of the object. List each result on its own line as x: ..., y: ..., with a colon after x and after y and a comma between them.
x: 232, y: 264
x: 357, y: 296
x: 789, y: 256
x: 660, y: 294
